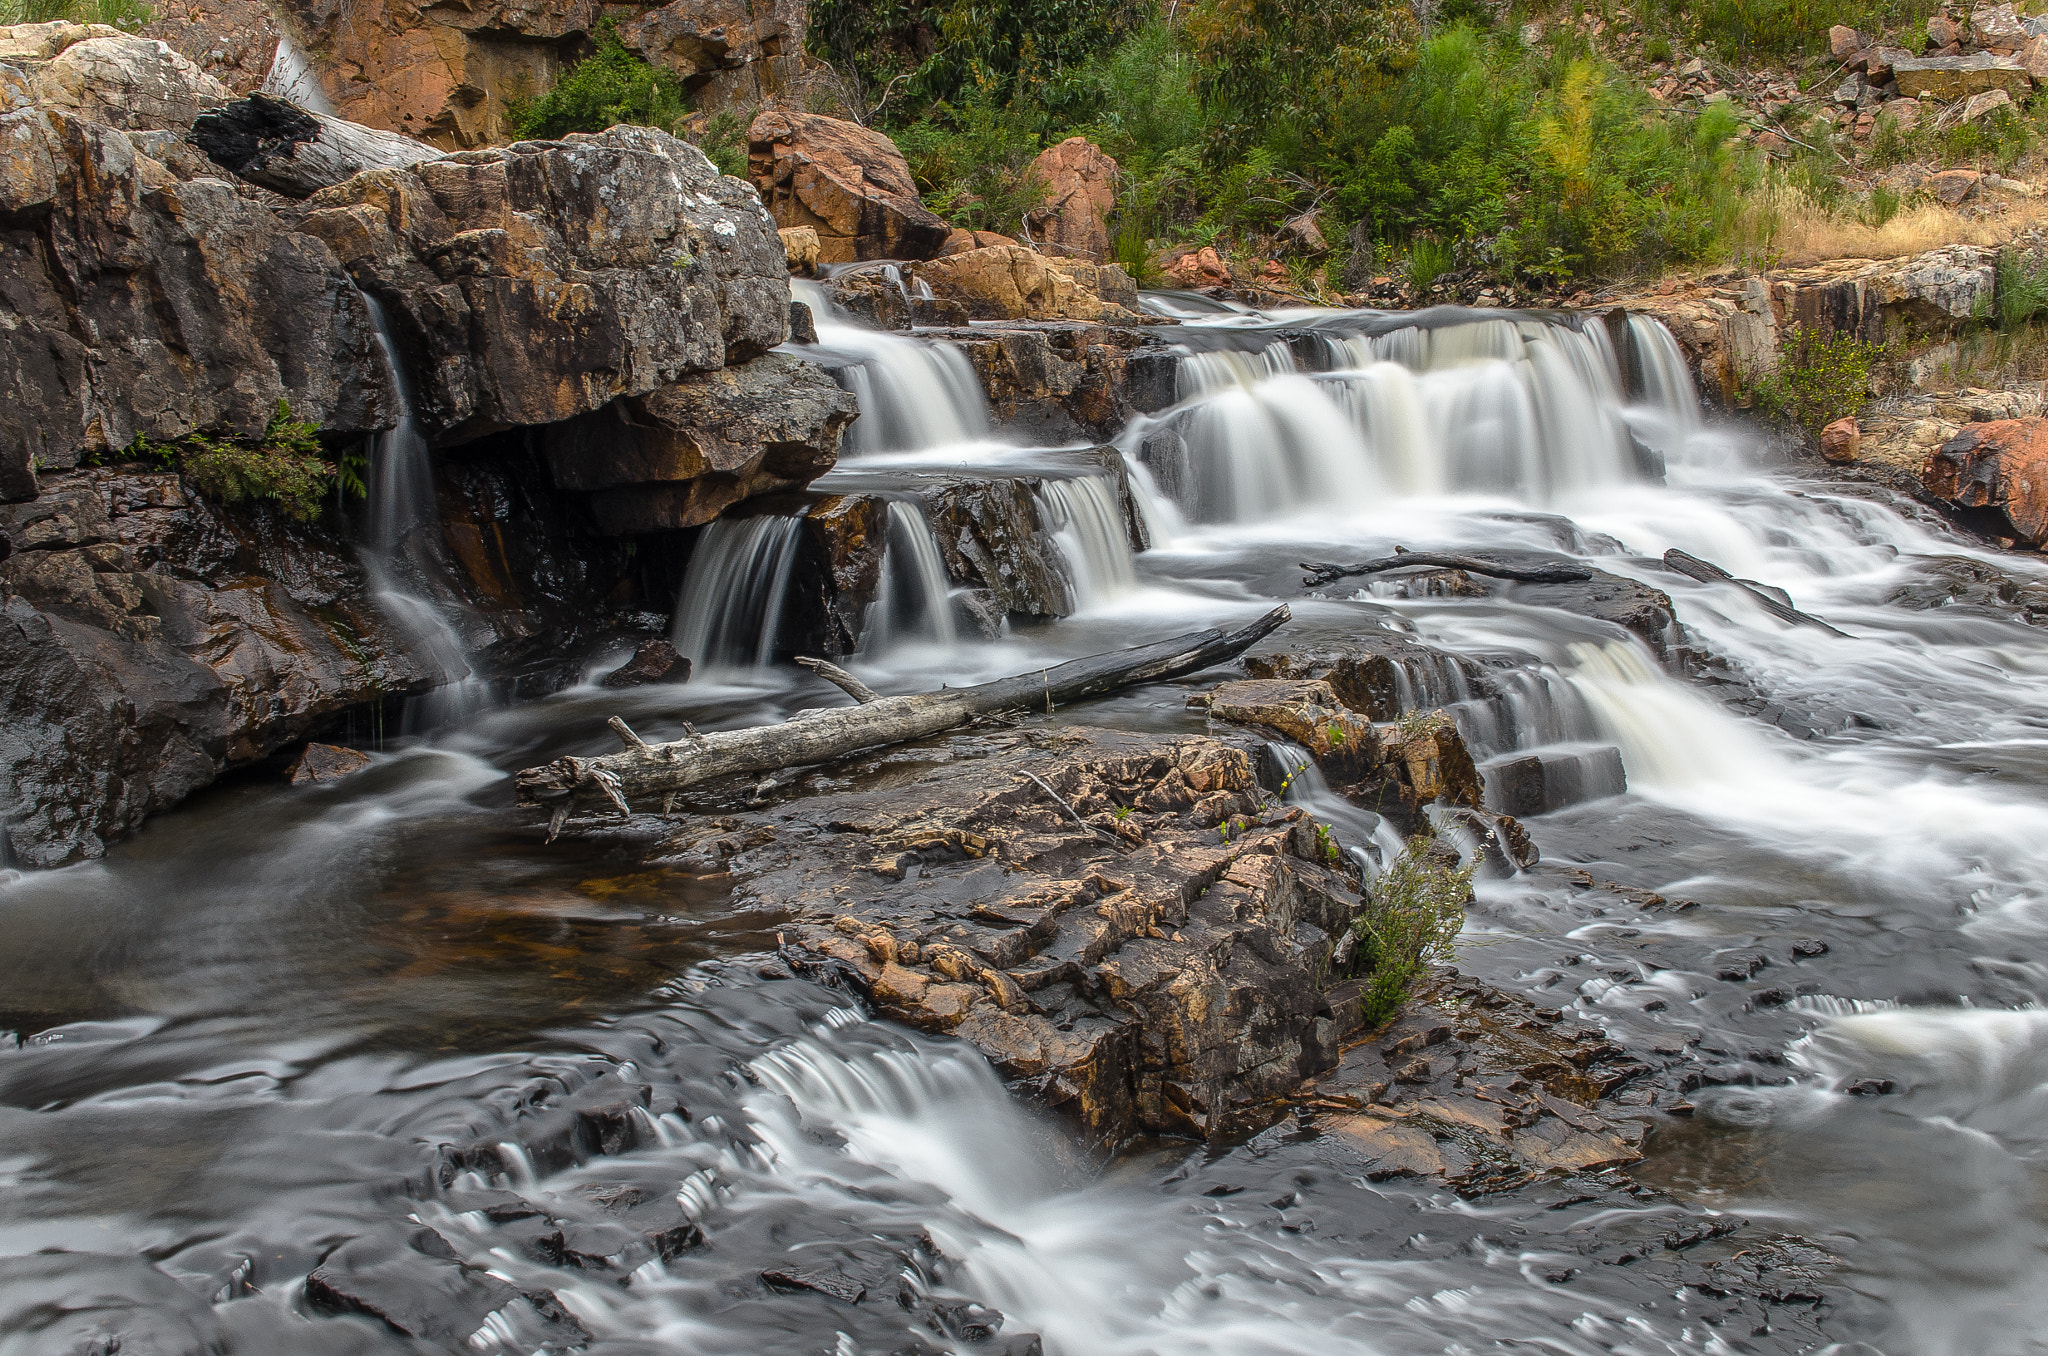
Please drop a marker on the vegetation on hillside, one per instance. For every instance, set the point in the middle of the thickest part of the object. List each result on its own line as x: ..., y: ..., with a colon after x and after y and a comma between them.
x: 128, y: 15
x: 1482, y: 144
x: 615, y: 84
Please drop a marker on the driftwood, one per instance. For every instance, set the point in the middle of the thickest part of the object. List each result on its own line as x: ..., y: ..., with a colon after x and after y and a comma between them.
x: 1315, y: 573
x: 1707, y: 572
x: 642, y: 771
x: 277, y: 144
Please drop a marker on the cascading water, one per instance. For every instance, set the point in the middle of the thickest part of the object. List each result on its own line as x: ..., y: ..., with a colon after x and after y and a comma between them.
x: 285, y: 1019
x: 1086, y: 520
x: 914, y: 599
x: 403, y: 554
x: 915, y: 394
x: 729, y: 612
x: 291, y: 77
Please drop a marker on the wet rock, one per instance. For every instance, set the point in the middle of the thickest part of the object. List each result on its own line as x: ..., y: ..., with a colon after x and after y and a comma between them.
x: 419, y: 1289
x: 1010, y: 282
x: 1079, y: 182
x: 675, y: 271
x: 803, y: 326
x: 1996, y: 475
x: 95, y: 1305
x: 1139, y: 970
x: 848, y: 183
x: 1739, y: 965
x: 1469, y: 1087
x: 325, y: 763
x: 149, y: 640
x: 656, y: 661
x: 1063, y: 380
x: 677, y: 456
x: 831, y: 1283
x: 1869, y: 1087
x: 1538, y: 783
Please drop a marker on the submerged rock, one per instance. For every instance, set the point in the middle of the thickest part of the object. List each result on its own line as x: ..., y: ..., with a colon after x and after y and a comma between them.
x: 656, y: 661
x: 325, y: 763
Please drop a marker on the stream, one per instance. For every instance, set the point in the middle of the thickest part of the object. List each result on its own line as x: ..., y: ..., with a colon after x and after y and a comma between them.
x: 240, y: 1039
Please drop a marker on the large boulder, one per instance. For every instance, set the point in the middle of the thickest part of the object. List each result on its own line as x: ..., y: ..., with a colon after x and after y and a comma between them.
x: 145, y: 302
x: 1010, y: 282
x: 103, y: 75
x: 1079, y: 182
x: 848, y: 183
x: 1996, y: 473
x: 678, y: 456
x: 537, y: 282
x: 450, y: 73
x: 152, y: 640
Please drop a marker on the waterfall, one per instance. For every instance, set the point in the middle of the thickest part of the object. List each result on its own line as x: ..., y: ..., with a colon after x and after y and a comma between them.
x: 1521, y: 407
x: 1086, y: 520
x: 915, y: 394
x: 292, y: 78
x: 729, y: 613
x: 404, y: 544
x: 914, y: 599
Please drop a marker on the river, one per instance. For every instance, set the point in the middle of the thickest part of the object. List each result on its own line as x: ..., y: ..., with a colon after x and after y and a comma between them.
x: 241, y: 1039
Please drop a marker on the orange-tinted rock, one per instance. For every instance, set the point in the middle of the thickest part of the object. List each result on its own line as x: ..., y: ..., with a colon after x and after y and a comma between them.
x: 445, y: 73
x: 234, y: 41
x: 325, y: 763
x: 1198, y: 268
x: 1998, y: 474
x: 1080, y: 192
x: 959, y: 242
x: 1844, y: 42
x: 846, y: 182
x: 1010, y: 282
x: 1841, y: 441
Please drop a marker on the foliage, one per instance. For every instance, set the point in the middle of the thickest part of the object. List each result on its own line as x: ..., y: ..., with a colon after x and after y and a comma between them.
x: 1270, y: 71
x: 1820, y: 378
x: 916, y: 53
x: 1428, y: 260
x: 1409, y: 918
x: 724, y: 142
x: 2020, y: 288
x: 286, y: 465
x: 969, y: 161
x: 127, y: 15
x: 610, y: 86
x: 1744, y: 29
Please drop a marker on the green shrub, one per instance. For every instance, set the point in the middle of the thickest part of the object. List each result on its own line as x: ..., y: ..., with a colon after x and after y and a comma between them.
x: 969, y: 161
x: 1428, y: 260
x: 1409, y: 918
x: 724, y: 143
x: 2020, y: 288
x: 1820, y: 378
x: 1657, y: 51
x: 1781, y: 28
x: 286, y: 466
x: 127, y: 15
x: 610, y: 86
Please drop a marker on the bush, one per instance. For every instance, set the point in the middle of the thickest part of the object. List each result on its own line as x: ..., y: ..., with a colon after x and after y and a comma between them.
x: 286, y: 466
x: 1409, y: 918
x: 127, y: 15
x: 1741, y: 29
x: 1819, y: 379
x: 969, y: 161
x: 610, y: 86
x: 2020, y: 288
x: 724, y: 143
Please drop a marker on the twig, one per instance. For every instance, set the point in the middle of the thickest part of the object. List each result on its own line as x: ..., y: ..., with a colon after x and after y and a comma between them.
x: 841, y: 679
x: 1109, y: 838
x: 1315, y: 573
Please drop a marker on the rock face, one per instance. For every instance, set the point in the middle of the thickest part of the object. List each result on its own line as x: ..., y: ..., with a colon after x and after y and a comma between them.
x: 1997, y: 474
x: 1080, y: 192
x: 220, y: 309
x: 106, y: 76
x: 1140, y: 974
x: 446, y: 73
x: 151, y: 640
x: 679, y: 455
x: 1957, y: 77
x: 233, y: 41
x: 849, y: 184
x: 1010, y: 282
x: 1060, y: 381
x: 541, y: 281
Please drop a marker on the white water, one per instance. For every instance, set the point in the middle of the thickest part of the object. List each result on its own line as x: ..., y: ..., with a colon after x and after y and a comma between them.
x: 729, y: 611
x: 914, y: 599
x: 1086, y: 521
x: 915, y: 395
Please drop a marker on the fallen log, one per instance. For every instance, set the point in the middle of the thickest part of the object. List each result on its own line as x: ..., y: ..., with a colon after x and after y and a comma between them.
x: 641, y: 770
x: 293, y: 151
x: 1316, y: 573
x: 1707, y: 572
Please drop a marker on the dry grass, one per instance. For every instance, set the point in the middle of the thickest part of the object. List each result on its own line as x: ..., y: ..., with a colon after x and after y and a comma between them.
x: 1798, y: 230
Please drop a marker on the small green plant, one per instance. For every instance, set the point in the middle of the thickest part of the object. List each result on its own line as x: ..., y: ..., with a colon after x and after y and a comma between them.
x: 1121, y: 813
x: 1428, y: 260
x: 286, y: 467
x: 1880, y: 207
x: 1336, y: 735
x: 724, y: 143
x: 612, y: 85
x: 2020, y: 288
x: 1819, y: 379
x: 1326, y: 845
x: 1410, y: 918
x: 1657, y: 51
